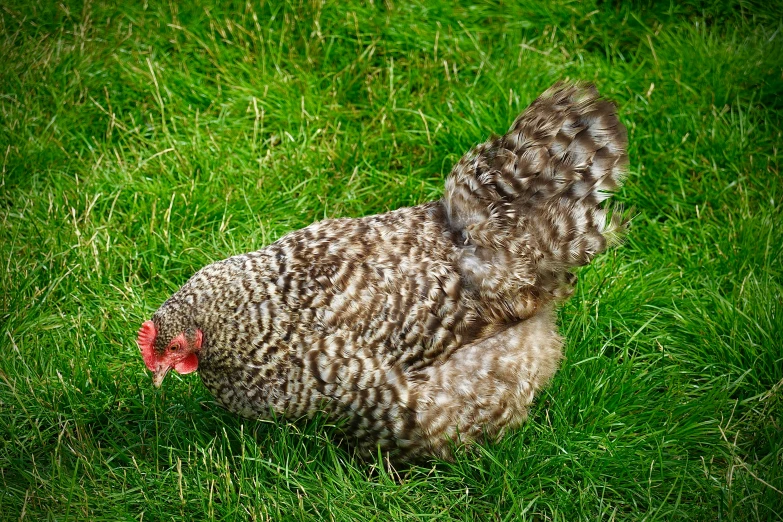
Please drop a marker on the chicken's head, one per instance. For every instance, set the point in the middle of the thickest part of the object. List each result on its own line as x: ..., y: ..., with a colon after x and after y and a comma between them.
x: 163, y: 350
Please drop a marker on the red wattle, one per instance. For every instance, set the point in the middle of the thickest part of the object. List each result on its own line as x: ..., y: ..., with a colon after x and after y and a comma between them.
x: 187, y: 365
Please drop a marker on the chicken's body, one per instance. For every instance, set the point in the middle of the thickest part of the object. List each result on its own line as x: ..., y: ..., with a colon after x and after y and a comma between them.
x: 424, y: 324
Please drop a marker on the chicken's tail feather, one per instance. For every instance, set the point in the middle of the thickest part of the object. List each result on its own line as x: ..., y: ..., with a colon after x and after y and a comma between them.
x: 529, y: 203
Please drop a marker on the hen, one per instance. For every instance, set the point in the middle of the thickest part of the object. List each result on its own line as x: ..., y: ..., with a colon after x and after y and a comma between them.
x: 422, y: 326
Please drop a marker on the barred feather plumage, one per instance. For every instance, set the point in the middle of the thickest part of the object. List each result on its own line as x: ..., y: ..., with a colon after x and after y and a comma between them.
x: 424, y: 324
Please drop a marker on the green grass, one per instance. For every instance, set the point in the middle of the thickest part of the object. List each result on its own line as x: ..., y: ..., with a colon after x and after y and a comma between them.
x: 140, y: 143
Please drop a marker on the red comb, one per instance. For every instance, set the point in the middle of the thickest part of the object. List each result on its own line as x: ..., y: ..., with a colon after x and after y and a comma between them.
x: 146, y: 341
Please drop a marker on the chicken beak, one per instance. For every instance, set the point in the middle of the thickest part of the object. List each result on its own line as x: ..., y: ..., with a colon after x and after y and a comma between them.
x: 158, y: 375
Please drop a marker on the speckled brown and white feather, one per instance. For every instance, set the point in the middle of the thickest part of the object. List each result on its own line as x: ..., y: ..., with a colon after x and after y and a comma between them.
x: 426, y: 322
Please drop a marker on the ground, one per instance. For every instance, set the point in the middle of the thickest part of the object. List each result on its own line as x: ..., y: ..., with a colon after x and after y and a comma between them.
x: 139, y: 143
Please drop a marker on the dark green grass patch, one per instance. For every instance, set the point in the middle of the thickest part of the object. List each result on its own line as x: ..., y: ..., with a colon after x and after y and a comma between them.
x: 143, y: 141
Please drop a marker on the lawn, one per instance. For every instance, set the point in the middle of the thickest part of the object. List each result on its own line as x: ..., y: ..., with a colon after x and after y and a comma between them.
x: 139, y: 143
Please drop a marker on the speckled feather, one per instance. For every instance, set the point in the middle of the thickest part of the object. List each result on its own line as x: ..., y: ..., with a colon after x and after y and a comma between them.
x: 425, y: 324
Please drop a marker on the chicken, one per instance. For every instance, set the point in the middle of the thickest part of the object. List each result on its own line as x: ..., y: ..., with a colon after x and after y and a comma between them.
x: 424, y: 326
